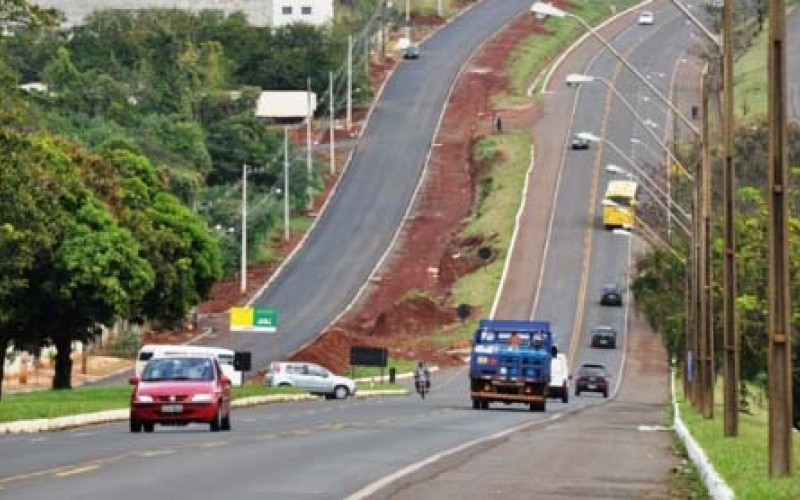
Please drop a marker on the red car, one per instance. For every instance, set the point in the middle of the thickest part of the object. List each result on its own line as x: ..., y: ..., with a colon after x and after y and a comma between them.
x: 179, y: 390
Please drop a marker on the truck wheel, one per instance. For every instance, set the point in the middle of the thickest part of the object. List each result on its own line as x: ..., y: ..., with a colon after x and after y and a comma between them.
x: 565, y: 396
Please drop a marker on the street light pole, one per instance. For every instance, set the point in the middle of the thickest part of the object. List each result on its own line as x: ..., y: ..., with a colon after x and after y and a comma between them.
x: 243, y: 283
x: 779, y: 293
x: 546, y: 9
x: 286, y: 183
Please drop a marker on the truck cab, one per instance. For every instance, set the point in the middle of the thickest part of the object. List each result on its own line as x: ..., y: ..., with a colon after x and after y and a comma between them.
x: 510, y: 363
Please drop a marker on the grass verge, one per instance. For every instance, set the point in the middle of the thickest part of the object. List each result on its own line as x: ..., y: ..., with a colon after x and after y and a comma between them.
x: 742, y: 461
x: 495, y: 216
x: 79, y: 400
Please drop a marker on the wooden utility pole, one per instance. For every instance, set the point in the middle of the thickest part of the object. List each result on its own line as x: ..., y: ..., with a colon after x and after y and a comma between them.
x: 779, y: 297
x: 705, y: 314
x: 730, y: 361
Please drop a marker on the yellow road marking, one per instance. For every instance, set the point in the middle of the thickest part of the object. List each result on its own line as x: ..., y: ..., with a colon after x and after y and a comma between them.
x: 213, y: 444
x: 78, y: 470
x: 157, y: 453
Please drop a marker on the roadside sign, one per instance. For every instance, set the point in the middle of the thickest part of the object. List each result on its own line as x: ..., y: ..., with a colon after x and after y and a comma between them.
x: 254, y: 319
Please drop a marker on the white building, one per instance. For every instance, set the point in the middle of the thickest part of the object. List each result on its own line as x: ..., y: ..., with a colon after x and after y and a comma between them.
x: 262, y: 13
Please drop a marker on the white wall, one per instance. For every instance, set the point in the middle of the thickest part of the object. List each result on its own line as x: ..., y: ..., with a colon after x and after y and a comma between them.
x: 258, y: 12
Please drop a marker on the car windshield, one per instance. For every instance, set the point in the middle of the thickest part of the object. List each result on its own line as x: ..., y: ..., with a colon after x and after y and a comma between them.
x: 610, y: 288
x: 604, y: 330
x: 165, y: 369
x: 593, y: 371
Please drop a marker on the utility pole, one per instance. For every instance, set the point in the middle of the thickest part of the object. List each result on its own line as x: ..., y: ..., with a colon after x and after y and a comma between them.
x: 349, y: 120
x: 243, y: 283
x: 706, y: 316
x: 779, y: 297
x: 309, y: 167
x: 730, y: 366
x: 332, y: 130
x: 286, y: 183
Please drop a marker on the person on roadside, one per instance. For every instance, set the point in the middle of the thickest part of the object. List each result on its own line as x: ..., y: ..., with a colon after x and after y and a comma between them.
x: 422, y: 375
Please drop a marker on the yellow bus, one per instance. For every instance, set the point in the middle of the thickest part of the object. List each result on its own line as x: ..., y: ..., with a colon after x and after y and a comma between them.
x: 619, y: 205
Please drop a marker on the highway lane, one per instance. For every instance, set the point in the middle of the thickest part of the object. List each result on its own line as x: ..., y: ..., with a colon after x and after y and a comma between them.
x: 320, y: 449
x: 793, y: 64
x: 369, y: 204
x: 581, y: 255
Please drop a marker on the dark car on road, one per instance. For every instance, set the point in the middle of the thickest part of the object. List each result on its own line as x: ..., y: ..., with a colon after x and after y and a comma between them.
x: 611, y: 295
x: 604, y: 336
x: 579, y: 142
x: 411, y: 52
x: 592, y: 377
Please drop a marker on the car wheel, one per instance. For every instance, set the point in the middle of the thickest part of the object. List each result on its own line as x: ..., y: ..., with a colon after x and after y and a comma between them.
x: 577, y: 392
x: 226, y: 422
x: 484, y: 405
x: 565, y: 395
x: 136, y: 426
x: 216, y: 424
x: 476, y: 405
x: 605, y: 394
x: 340, y: 392
x: 149, y: 426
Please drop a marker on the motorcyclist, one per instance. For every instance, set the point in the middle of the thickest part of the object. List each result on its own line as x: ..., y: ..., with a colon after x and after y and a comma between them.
x: 422, y: 374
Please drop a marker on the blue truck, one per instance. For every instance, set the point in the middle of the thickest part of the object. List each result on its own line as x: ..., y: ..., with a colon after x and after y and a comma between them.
x: 510, y: 363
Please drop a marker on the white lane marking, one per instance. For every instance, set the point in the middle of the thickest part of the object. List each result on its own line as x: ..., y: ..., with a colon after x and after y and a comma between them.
x: 387, y: 480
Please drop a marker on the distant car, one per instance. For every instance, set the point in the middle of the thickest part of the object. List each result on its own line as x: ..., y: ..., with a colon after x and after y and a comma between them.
x: 592, y: 377
x: 611, y: 295
x: 179, y: 390
x: 604, y: 336
x: 411, y: 52
x: 646, y: 18
x: 309, y: 377
x: 579, y: 142
x: 559, y: 378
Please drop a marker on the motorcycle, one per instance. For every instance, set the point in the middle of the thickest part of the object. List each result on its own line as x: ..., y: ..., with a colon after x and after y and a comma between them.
x: 423, y: 386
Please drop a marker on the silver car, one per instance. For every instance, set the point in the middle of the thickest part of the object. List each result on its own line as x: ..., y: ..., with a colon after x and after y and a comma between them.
x: 309, y: 377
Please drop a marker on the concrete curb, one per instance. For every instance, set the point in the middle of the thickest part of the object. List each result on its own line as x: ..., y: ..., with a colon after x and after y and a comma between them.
x: 716, y: 486
x: 103, y: 417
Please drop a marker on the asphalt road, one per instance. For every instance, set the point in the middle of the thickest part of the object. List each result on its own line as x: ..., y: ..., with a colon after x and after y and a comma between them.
x: 793, y: 64
x: 370, y: 202
x: 320, y: 449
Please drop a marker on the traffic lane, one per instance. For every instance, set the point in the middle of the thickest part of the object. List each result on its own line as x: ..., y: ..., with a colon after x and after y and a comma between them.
x: 557, y: 294
x: 371, y: 199
x: 616, y: 449
x: 368, y: 440
x: 793, y: 64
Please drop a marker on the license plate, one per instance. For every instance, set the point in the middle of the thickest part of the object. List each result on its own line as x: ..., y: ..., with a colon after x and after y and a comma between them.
x: 591, y: 386
x: 171, y: 408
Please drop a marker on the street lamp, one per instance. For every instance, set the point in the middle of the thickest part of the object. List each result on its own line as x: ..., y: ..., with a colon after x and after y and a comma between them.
x: 593, y: 138
x: 541, y: 9
x: 613, y: 169
x: 576, y: 79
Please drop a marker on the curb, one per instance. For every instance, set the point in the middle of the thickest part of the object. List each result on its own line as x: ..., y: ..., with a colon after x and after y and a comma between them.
x: 103, y: 417
x: 716, y: 486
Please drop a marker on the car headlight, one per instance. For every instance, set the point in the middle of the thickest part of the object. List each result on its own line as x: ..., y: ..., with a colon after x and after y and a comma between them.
x: 143, y: 398
x: 503, y: 370
x: 202, y: 398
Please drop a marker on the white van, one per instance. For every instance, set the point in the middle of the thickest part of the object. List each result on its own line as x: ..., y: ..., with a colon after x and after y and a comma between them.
x: 224, y: 356
x: 559, y: 378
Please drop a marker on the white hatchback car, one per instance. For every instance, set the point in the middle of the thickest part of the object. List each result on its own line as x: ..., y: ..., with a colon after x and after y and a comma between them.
x: 309, y: 377
x: 646, y: 18
x: 559, y: 378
